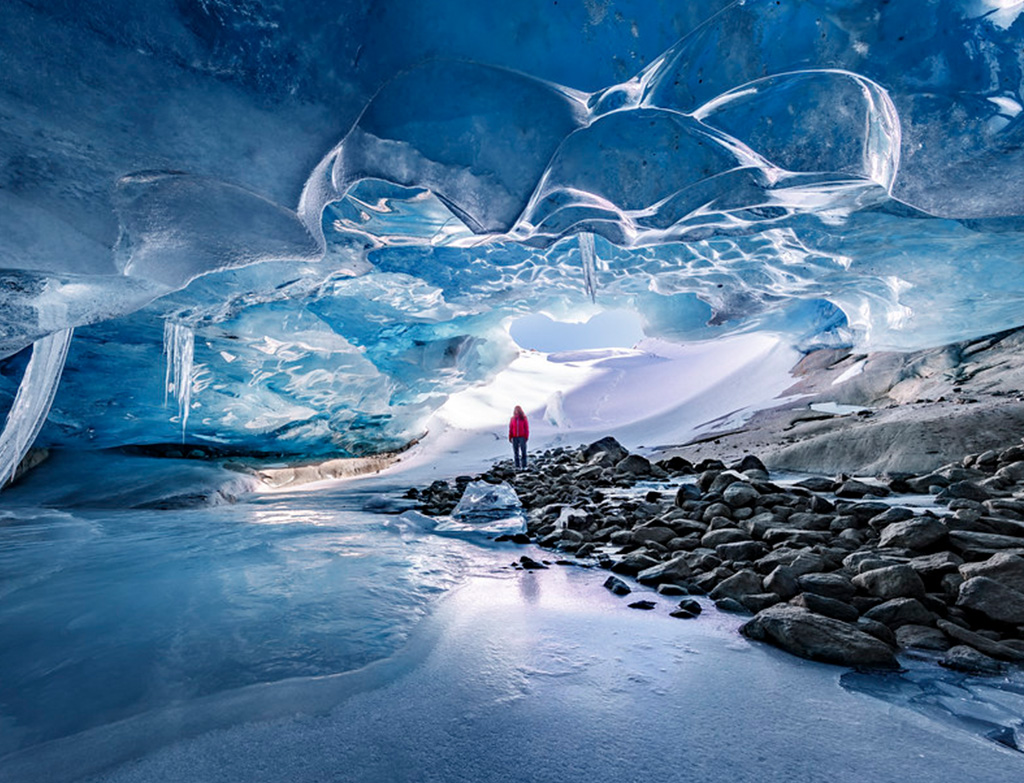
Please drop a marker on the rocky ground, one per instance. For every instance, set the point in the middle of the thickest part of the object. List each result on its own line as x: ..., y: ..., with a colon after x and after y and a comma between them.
x: 834, y: 570
x: 912, y: 412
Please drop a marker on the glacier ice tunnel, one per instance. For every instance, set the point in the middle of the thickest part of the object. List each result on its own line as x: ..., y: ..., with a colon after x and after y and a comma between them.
x: 288, y: 228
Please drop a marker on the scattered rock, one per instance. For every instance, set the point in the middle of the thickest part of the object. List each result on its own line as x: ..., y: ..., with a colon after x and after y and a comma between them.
x: 731, y: 605
x: 1004, y: 568
x: 922, y: 637
x: 617, y: 586
x: 826, y: 606
x: 691, y: 606
x: 835, y: 586
x: 900, y: 611
x: 742, y: 583
x: 818, y: 638
x: 992, y: 599
x: 530, y: 564
x: 642, y: 605
x: 966, y: 659
x: 896, y: 581
x: 921, y: 534
x: 979, y: 642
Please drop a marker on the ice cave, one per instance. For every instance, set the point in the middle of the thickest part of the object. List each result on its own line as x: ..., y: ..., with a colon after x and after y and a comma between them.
x: 243, y: 239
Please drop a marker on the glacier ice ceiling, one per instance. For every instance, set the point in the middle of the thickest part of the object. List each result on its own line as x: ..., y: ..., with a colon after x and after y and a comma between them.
x: 295, y: 227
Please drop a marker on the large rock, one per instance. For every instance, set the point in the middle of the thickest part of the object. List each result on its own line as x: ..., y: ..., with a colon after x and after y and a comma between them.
x: 818, y: 638
x: 889, y: 516
x: 922, y: 637
x: 675, y: 570
x: 900, y: 611
x: 740, y: 494
x: 654, y: 532
x: 740, y: 584
x: 965, y: 489
x: 979, y: 642
x: 687, y: 492
x: 993, y: 599
x: 783, y: 582
x: 920, y: 533
x: 986, y: 543
x: 966, y: 659
x: 741, y: 551
x: 1004, y: 568
x: 936, y: 565
x: 826, y: 606
x: 897, y: 581
x: 724, y: 535
x: 835, y: 586
x: 634, y: 465
x: 633, y: 563
x: 607, y: 445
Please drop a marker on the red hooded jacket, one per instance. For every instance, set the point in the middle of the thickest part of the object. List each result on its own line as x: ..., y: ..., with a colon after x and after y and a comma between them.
x: 518, y: 428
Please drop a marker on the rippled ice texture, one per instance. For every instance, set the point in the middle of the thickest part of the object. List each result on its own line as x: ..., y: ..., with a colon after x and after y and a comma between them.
x: 346, y: 205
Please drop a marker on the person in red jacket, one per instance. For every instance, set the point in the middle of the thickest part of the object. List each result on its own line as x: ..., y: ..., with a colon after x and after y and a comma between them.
x: 518, y: 434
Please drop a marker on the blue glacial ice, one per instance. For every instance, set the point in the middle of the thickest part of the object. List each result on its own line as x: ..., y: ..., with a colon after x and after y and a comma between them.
x: 347, y: 207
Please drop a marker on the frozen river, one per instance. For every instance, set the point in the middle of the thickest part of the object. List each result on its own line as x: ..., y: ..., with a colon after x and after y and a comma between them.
x: 298, y: 637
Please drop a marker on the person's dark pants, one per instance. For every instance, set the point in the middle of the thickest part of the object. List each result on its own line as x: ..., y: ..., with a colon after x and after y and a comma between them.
x: 519, y: 451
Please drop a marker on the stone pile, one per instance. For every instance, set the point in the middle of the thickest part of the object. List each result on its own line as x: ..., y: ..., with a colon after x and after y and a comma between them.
x: 829, y: 570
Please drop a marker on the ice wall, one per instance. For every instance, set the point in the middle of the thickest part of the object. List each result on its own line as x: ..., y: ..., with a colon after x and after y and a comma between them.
x: 346, y: 204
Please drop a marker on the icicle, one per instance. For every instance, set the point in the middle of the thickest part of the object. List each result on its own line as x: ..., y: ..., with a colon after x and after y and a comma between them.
x: 33, y: 400
x: 179, y: 347
x: 588, y: 254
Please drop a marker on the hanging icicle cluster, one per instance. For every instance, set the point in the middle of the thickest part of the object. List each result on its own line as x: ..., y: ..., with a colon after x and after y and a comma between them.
x: 179, y: 348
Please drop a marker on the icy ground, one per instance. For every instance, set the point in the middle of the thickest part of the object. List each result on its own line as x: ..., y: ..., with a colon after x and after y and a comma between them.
x: 541, y: 676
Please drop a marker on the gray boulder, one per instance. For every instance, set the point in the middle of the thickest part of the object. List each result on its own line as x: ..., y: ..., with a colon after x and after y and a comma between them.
x: 889, y: 516
x: 979, y: 642
x: 1004, y: 568
x: 965, y: 489
x: 826, y: 606
x: 877, y: 630
x: 966, y: 659
x: 920, y: 533
x: 724, y: 535
x: 742, y: 583
x: 653, y: 532
x: 675, y: 570
x: 633, y: 563
x: 740, y: 494
x: 617, y: 586
x: 922, y: 637
x: 936, y: 565
x: 985, y: 543
x: 818, y: 638
x: 634, y: 465
x: 993, y: 599
x: 742, y: 551
x: 607, y: 445
x: 835, y: 586
x: 900, y: 611
x: 782, y: 581
x: 897, y: 581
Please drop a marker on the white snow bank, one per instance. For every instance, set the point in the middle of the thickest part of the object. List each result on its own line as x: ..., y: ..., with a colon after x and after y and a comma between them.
x: 658, y: 393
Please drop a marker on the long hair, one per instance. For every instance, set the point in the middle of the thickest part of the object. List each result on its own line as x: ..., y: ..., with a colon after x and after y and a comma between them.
x: 518, y: 413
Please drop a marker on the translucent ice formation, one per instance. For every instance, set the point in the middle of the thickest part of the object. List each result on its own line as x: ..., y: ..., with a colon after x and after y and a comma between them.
x: 347, y: 208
